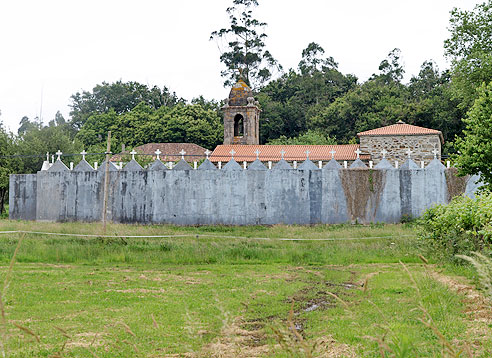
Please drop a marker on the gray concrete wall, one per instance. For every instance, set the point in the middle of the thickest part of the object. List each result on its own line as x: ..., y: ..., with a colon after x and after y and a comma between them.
x: 22, y: 196
x: 232, y: 197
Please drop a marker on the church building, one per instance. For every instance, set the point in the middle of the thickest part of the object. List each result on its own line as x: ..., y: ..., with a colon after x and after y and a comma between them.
x: 396, y: 142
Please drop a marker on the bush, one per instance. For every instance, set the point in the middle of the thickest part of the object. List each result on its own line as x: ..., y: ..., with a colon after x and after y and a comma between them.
x: 461, y: 227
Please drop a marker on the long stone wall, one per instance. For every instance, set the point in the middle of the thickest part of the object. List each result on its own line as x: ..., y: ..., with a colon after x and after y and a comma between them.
x: 234, y: 196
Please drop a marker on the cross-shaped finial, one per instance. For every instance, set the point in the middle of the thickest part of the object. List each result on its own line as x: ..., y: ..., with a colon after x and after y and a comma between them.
x: 282, y: 152
x: 383, y: 153
x: 409, y: 153
x: 307, y: 154
x: 257, y: 154
x: 158, y: 153
x: 84, y: 153
x: 435, y: 152
x: 332, y: 152
x: 133, y: 154
x: 182, y: 154
x: 207, y: 153
x: 232, y: 153
x: 58, y: 154
x: 357, y: 151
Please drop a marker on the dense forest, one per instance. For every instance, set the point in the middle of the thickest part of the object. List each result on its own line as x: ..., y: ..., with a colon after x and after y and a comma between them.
x: 314, y: 103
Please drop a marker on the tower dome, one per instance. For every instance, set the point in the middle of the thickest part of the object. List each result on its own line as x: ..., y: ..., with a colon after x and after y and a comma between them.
x: 239, y: 94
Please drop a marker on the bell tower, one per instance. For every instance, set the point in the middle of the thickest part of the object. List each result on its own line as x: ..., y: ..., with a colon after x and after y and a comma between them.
x: 241, y: 116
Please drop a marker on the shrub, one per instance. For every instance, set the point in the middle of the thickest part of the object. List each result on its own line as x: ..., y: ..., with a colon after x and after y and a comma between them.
x: 461, y: 227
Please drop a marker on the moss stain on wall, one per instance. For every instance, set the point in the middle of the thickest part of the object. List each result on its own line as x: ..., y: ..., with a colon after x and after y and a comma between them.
x: 362, y: 186
x: 456, y: 185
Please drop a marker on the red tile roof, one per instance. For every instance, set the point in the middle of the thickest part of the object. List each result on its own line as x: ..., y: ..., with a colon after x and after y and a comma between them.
x: 400, y: 128
x: 169, y: 151
x: 292, y: 152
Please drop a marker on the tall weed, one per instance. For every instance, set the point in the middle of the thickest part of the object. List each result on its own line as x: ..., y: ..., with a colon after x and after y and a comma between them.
x: 459, y: 228
x: 483, y: 265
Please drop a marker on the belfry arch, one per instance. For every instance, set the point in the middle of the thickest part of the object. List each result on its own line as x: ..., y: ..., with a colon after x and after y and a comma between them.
x: 238, y: 125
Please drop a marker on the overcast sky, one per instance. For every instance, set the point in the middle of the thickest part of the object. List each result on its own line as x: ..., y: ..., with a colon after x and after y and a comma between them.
x: 51, y: 49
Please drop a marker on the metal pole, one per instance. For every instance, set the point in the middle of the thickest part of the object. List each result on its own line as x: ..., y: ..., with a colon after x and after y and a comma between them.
x: 106, y: 182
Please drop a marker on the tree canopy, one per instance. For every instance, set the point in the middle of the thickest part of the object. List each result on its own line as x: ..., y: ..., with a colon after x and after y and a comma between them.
x: 475, y: 147
x: 119, y: 96
x: 469, y: 48
x: 243, y: 47
x: 185, y: 123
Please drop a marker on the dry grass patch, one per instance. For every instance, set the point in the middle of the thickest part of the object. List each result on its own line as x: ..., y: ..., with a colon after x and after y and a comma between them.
x: 478, y: 309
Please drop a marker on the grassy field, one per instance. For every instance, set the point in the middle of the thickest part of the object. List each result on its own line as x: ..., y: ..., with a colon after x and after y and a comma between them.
x: 280, y: 291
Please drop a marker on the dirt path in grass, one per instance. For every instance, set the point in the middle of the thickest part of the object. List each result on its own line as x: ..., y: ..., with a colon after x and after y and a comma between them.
x: 236, y: 341
x: 478, y: 310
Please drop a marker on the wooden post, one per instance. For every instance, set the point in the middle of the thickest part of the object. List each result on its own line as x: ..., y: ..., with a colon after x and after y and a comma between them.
x: 106, y: 183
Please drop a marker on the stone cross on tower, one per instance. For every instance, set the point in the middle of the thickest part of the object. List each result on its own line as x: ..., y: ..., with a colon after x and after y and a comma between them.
x: 257, y: 152
x: 182, y: 154
x: 282, y: 153
x: 207, y: 153
x: 383, y: 153
x: 307, y: 154
x: 357, y: 151
x: 409, y: 153
x: 133, y: 154
x: 435, y: 152
x: 83, y: 153
x: 158, y: 153
x: 58, y: 154
x: 332, y: 152
x: 232, y: 153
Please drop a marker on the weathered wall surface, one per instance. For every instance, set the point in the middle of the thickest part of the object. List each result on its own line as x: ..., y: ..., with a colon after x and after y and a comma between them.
x: 397, y: 145
x: 22, y: 196
x: 236, y: 196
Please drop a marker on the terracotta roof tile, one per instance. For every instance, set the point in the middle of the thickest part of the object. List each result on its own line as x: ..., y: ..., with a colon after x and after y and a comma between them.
x: 170, y: 151
x: 292, y: 152
x: 400, y: 128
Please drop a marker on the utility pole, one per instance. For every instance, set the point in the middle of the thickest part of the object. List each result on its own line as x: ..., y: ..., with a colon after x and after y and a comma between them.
x: 106, y: 183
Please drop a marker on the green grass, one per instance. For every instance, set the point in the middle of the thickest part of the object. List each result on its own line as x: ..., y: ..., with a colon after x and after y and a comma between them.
x: 206, y: 290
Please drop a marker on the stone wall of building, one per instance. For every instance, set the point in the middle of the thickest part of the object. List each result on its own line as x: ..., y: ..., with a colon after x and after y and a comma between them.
x: 234, y: 196
x: 251, y: 115
x: 421, y: 146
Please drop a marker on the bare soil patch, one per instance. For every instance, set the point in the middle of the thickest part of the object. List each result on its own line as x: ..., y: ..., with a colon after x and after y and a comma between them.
x: 478, y: 309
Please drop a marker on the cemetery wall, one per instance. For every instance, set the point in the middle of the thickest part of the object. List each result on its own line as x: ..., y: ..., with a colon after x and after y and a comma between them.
x: 234, y: 196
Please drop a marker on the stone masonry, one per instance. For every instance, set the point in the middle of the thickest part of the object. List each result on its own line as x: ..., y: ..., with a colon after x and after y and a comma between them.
x: 241, y: 106
x: 422, y: 147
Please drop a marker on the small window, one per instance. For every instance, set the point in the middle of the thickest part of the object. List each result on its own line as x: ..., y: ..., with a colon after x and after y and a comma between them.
x: 238, y: 125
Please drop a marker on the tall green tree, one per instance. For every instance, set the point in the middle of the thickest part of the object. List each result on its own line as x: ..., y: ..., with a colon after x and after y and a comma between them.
x: 8, y: 164
x: 433, y: 105
x: 290, y: 102
x: 37, y: 139
x: 390, y: 68
x: 469, y: 48
x: 382, y: 100
x: 243, y: 48
x: 475, y: 148
x: 311, y: 137
x: 119, y: 96
x: 185, y: 123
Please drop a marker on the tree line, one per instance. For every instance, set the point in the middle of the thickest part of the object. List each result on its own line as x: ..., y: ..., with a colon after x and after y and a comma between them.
x: 314, y: 103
